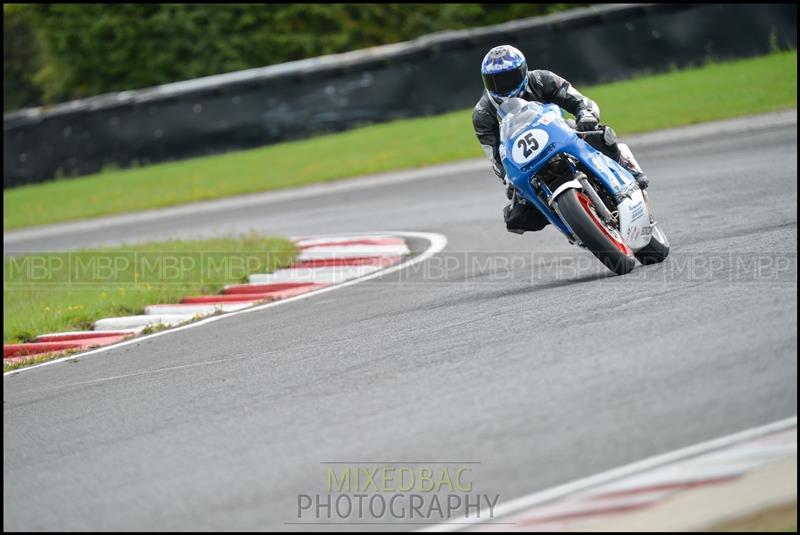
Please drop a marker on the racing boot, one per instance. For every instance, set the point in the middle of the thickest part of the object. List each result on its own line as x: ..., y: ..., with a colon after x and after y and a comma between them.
x: 627, y: 161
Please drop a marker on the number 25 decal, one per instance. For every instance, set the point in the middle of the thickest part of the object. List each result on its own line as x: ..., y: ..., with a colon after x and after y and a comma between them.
x: 528, y: 144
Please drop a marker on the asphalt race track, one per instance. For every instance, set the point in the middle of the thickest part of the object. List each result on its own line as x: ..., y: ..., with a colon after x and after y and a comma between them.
x: 518, y: 354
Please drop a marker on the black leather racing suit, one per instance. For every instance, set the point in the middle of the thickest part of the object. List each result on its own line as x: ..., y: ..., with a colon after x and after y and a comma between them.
x: 546, y: 87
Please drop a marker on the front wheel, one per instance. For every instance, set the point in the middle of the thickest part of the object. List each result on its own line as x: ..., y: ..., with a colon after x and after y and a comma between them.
x: 578, y: 212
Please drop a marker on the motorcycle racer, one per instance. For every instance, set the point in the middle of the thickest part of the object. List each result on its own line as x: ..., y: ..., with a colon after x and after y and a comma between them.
x: 505, y: 74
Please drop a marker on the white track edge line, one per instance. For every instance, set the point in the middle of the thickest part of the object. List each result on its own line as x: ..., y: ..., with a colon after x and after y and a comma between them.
x: 437, y: 243
x: 560, y: 491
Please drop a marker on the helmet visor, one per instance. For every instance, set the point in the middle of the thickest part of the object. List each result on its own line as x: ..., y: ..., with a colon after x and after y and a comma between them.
x: 503, y: 83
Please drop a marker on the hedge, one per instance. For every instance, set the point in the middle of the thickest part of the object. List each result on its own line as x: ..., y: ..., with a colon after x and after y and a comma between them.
x: 59, y: 52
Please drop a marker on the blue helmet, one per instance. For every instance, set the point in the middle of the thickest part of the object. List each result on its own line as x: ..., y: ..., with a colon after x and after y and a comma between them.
x: 504, y: 72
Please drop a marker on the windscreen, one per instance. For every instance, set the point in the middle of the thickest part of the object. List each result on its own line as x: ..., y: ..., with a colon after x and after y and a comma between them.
x: 517, y: 114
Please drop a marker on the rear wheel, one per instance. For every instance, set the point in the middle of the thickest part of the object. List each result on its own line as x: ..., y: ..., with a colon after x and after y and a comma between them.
x: 658, y: 248
x: 655, y: 251
x: 577, y: 210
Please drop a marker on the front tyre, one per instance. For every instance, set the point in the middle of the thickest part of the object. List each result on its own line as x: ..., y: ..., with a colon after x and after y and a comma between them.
x: 578, y: 212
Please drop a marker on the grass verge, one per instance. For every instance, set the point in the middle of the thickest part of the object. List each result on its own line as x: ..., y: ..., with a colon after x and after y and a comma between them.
x: 716, y: 91
x: 53, y: 292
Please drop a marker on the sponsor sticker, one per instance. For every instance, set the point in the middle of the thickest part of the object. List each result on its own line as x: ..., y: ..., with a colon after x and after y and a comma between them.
x: 547, y: 118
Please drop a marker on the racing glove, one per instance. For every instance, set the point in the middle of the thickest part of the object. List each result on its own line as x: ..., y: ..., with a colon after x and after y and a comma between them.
x: 587, y: 121
x: 499, y: 170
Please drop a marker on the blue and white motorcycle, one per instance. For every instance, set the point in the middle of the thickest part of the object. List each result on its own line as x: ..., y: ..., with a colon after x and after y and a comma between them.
x: 586, y: 195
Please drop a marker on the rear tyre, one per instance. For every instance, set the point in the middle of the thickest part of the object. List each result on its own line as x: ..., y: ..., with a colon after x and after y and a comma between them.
x: 577, y: 210
x: 655, y: 251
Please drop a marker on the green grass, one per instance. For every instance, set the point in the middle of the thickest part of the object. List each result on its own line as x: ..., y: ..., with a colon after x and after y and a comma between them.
x: 715, y: 91
x: 68, y: 291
